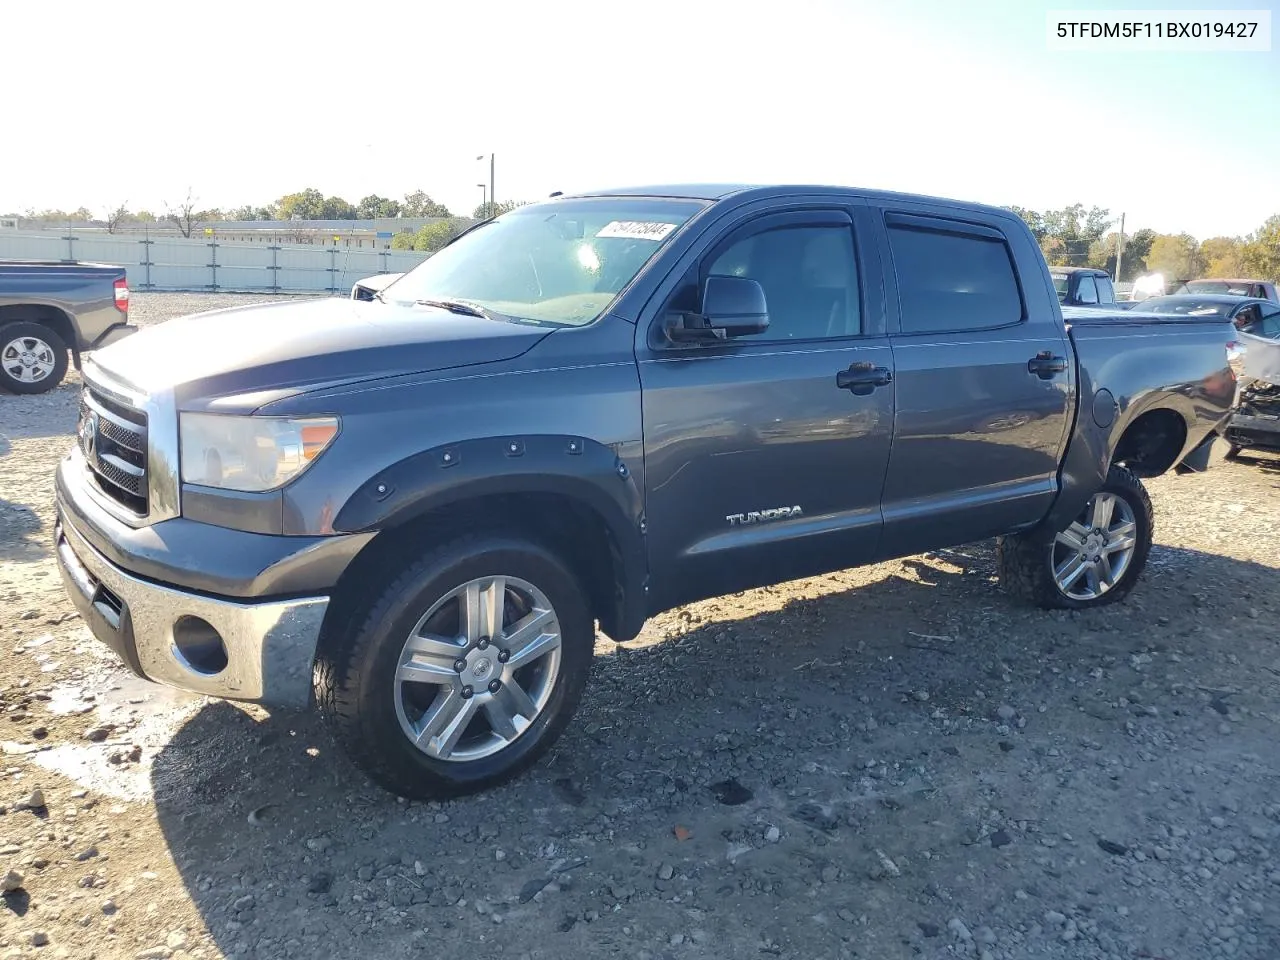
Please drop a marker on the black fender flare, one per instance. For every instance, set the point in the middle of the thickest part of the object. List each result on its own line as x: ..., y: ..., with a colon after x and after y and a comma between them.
x: 576, y: 468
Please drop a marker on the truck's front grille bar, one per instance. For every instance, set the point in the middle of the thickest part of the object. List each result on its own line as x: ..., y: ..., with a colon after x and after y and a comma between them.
x: 113, y: 439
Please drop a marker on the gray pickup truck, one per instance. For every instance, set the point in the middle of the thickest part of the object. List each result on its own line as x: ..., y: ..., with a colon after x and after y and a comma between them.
x: 413, y: 510
x: 48, y: 308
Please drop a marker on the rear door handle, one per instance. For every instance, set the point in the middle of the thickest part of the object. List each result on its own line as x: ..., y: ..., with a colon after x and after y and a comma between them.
x: 1046, y: 366
x: 863, y: 377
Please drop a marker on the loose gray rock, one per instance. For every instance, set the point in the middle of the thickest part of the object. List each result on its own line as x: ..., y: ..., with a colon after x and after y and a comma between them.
x: 32, y: 801
x: 97, y: 734
x: 773, y: 835
x: 1006, y: 713
x: 11, y: 881
x: 88, y: 853
x: 39, y: 938
x: 959, y: 930
x: 1224, y: 855
x: 666, y: 872
x: 1054, y: 918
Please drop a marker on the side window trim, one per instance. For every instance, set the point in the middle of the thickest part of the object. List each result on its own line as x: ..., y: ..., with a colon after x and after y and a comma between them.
x: 944, y: 223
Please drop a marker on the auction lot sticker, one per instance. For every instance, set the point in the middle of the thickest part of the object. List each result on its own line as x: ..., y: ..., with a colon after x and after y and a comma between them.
x: 636, y: 229
x: 1167, y: 31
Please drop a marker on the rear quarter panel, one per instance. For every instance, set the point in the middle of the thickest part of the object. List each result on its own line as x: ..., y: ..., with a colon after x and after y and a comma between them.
x: 1144, y: 365
x: 84, y: 292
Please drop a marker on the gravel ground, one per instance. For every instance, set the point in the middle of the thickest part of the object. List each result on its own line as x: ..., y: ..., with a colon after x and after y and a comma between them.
x: 888, y: 762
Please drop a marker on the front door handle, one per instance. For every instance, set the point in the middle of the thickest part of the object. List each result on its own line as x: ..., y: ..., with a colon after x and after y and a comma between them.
x: 1045, y: 365
x: 863, y: 377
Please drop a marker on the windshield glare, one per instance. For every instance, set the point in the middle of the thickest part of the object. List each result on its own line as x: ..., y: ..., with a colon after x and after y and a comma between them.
x: 561, y: 262
x: 1186, y: 306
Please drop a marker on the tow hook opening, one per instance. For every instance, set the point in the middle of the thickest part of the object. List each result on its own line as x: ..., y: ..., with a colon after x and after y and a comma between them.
x: 198, y: 646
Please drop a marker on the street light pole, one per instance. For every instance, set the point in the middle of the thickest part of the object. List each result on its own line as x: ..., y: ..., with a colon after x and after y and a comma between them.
x: 492, y: 201
x: 484, y: 204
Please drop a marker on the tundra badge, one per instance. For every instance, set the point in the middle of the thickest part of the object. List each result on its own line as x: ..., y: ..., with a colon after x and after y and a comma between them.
x: 763, y: 516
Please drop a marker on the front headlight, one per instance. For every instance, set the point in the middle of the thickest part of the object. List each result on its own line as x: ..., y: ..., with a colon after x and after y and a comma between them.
x: 250, y: 453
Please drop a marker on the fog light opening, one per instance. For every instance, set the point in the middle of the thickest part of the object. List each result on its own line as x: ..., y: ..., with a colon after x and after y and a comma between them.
x: 199, y: 647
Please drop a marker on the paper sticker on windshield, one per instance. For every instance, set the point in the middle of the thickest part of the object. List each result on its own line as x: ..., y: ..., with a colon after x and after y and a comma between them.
x: 637, y: 230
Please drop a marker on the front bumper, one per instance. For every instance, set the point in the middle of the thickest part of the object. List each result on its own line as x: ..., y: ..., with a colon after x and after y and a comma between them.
x: 206, y: 609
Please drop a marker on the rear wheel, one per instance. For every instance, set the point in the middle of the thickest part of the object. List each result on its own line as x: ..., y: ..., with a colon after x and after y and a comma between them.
x: 1095, y: 560
x: 33, y: 358
x: 464, y: 671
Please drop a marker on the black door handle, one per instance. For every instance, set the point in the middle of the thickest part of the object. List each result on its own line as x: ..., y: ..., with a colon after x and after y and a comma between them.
x: 1045, y: 365
x: 863, y: 377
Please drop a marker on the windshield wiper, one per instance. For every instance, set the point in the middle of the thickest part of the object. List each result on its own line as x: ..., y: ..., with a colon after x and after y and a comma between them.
x: 463, y: 307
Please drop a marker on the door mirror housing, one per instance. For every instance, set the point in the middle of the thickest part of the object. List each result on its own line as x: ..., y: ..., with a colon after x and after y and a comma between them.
x: 731, y: 307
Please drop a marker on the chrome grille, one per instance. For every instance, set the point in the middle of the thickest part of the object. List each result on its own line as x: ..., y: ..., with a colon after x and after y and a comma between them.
x: 113, y: 438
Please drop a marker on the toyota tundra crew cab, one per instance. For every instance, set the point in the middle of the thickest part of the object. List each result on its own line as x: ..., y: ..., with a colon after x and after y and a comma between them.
x: 413, y: 510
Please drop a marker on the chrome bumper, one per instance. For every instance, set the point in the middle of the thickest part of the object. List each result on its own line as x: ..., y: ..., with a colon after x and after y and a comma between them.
x: 269, y: 647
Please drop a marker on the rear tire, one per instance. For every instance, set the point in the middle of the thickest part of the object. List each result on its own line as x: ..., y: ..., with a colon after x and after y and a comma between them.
x: 1096, y: 560
x: 33, y: 359
x: 410, y: 690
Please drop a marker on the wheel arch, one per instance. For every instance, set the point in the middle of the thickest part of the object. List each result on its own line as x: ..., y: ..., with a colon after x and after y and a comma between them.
x: 47, y: 315
x: 571, y: 494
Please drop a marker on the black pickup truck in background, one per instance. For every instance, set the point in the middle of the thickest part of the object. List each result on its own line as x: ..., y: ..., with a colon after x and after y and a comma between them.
x: 413, y: 509
x: 51, y: 312
x: 1083, y: 287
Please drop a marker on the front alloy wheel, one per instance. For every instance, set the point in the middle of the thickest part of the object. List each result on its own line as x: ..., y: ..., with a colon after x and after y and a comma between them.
x: 463, y: 671
x: 478, y: 668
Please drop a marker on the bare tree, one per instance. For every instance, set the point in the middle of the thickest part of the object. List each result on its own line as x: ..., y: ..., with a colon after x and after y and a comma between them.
x: 117, y: 216
x: 184, y: 215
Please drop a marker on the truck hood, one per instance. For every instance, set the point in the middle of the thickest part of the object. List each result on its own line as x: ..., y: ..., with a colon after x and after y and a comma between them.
x: 287, y: 348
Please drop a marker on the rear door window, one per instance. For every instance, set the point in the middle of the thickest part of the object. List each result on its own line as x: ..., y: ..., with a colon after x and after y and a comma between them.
x: 1087, y: 292
x: 952, y: 276
x: 1106, y: 292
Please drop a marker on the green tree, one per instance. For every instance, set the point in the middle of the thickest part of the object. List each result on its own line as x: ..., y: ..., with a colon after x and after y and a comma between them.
x: 486, y: 210
x: 402, y: 241
x: 418, y: 204
x: 335, y: 208
x: 145, y: 216
x: 435, y: 235
x: 1136, y: 250
x: 307, y: 204
x: 1222, y: 257
x: 250, y: 212
x: 1175, y: 256
x: 374, y: 206
x: 116, y: 216
x: 1261, y: 253
x: 1066, y: 235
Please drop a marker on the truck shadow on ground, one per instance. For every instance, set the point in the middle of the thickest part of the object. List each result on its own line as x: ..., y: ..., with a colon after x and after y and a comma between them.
x: 21, y: 533
x: 826, y: 712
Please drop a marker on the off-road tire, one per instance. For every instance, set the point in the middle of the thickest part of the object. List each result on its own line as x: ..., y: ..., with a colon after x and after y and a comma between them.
x: 24, y: 328
x: 1025, y: 560
x: 354, y: 673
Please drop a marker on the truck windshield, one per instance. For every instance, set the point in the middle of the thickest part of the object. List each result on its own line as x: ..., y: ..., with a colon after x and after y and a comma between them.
x: 1229, y: 287
x: 560, y: 262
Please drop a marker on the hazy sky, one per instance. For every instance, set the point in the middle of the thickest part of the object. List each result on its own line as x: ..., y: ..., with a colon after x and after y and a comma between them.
x: 134, y: 101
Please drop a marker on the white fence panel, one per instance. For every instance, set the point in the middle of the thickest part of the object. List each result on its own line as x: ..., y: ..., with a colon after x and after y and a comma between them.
x: 26, y: 246
x: 177, y: 263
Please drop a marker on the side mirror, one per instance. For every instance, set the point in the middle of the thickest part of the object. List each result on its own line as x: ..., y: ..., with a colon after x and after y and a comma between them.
x: 731, y: 307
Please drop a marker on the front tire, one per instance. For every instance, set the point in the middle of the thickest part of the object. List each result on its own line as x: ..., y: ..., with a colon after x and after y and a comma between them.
x: 463, y: 671
x: 33, y: 359
x: 1096, y: 560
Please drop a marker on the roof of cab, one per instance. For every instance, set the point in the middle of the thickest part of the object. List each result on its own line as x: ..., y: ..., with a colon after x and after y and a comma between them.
x: 751, y: 191
x: 1056, y: 271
